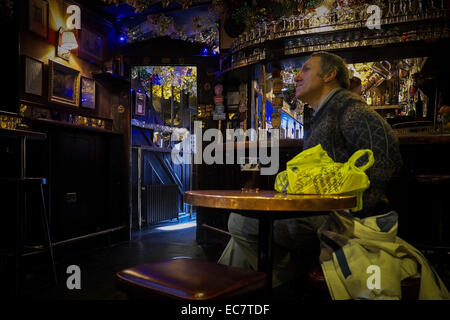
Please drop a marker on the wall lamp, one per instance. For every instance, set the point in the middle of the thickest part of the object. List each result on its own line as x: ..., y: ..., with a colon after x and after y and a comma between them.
x: 66, y: 42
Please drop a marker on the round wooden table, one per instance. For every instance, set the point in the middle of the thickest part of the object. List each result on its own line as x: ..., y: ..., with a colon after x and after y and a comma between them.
x: 267, y: 206
x: 267, y: 200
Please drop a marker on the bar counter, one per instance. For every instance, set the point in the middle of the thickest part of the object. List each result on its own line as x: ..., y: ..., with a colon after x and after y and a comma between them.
x: 407, y: 139
x: 424, y: 139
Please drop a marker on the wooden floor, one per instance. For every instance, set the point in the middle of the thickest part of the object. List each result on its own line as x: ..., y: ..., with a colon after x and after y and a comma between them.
x: 99, y: 260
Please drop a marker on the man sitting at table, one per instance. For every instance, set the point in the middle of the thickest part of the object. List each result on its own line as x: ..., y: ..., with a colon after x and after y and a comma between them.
x: 342, y: 124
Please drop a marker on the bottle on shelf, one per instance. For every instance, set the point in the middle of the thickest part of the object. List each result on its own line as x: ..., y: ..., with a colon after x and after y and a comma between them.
x: 411, y: 111
x: 419, y: 106
x: 369, y: 98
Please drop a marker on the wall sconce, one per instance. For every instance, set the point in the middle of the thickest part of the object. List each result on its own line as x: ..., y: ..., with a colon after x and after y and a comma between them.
x: 66, y: 42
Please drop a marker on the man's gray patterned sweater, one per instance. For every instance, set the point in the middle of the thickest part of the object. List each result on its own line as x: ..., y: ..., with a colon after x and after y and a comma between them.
x: 344, y: 125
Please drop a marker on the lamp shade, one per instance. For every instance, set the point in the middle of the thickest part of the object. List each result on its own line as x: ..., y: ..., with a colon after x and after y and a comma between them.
x: 68, y: 41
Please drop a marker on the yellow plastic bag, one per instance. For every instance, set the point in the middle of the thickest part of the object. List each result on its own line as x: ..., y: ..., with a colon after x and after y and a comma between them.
x: 313, y: 172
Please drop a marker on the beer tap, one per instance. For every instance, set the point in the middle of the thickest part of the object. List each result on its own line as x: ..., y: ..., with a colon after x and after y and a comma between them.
x: 403, y: 10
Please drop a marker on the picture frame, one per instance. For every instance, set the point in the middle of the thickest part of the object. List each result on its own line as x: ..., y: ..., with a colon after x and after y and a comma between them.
x: 63, y: 84
x: 90, y: 46
x: 34, y: 76
x: 87, y: 93
x: 38, y: 17
x: 140, y: 104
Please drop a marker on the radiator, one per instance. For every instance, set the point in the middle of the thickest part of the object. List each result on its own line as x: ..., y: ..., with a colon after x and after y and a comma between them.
x: 160, y: 202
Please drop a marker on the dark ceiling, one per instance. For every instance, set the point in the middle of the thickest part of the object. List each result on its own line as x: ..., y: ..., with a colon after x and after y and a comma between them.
x: 124, y: 12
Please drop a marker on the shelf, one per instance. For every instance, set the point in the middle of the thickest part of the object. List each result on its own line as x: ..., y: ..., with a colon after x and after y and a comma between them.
x: 11, y: 114
x: 22, y: 133
x: 282, y: 143
x: 386, y: 107
x: 71, y: 125
x: 243, y: 65
x: 57, y: 108
x: 163, y: 129
x: 156, y: 149
x: 423, y: 139
x: 110, y: 77
x: 348, y: 35
x: 349, y: 26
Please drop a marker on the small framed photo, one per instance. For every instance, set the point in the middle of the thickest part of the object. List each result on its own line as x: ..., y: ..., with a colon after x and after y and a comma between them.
x: 90, y: 46
x: 34, y: 76
x: 140, y: 104
x: 64, y: 84
x: 87, y: 98
x: 38, y: 17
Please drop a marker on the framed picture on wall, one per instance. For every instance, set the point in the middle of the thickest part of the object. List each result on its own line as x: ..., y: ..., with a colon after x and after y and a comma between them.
x: 90, y: 46
x: 63, y: 84
x: 38, y: 17
x: 87, y: 88
x: 140, y: 104
x: 34, y: 76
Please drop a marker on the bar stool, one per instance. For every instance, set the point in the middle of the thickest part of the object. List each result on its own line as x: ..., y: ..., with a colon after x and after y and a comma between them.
x: 23, y: 187
x: 191, y: 280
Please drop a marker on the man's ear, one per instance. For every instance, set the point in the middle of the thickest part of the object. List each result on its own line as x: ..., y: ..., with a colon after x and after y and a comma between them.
x: 330, y: 76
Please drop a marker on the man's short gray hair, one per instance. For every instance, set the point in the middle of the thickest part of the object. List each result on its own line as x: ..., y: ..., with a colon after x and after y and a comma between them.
x: 330, y: 62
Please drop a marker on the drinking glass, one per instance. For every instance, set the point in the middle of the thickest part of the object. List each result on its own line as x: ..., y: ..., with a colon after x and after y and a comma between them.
x: 414, y: 9
x: 297, y: 25
x: 240, y: 42
x: 397, y: 9
x: 292, y: 25
x: 338, y: 40
x: 402, y: 10
x: 271, y: 29
x: 434, y: 9
x: 420, y: 10
x: 264, y: 30
x: 391, y: 13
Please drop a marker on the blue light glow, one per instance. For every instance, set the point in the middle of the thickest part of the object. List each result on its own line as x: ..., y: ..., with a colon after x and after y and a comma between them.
x: 179, y: 226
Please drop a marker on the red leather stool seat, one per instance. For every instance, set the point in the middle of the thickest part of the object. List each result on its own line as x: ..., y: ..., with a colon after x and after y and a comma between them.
x: 189, y: 279
x: 410, y: 286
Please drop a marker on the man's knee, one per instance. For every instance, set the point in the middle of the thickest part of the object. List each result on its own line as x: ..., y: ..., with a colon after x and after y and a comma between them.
x: 242, y: 226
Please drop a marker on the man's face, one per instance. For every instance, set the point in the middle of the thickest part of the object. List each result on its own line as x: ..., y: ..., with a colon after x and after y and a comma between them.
x: 309, y: 83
